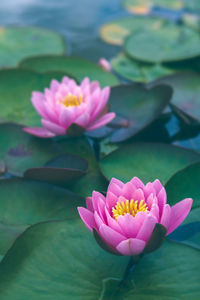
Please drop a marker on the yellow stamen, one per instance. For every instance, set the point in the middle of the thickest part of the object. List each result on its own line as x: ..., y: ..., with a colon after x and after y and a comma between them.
x: 72, y: 100
x: 131, y: 207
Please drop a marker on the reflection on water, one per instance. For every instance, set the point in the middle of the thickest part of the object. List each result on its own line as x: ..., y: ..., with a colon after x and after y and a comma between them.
x: 77, y: 20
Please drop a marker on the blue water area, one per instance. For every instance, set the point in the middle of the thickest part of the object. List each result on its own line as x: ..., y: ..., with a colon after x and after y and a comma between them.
x: 77, y: 20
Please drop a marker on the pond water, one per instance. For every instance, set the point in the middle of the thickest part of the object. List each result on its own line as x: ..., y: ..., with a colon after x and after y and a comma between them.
x: 77, y: 20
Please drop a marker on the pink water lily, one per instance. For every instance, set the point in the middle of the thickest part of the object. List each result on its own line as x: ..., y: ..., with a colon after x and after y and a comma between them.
x: 67, y: 103
x: 126, y: 217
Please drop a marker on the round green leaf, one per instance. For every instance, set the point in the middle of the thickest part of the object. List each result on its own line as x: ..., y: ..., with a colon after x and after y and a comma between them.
x: 16, y: 43
x: 61, y: 260
x: 186, y: 94
x: 24, y: 203
x: 78, y: 67
x: 116, y: 31
x: 163, y: 44
x: 16, y: 88
x: 138, y: 106
x: 22, y: 151
x: 138, y: 71
x: 147, y: 161
x: 185, y: 184
x: 61, y: 170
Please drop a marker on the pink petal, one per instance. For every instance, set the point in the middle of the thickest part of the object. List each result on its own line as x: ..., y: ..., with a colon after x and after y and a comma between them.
x: 111, y: 200
x: 112, y: 223
x: 111, y: 236
x: 102, y: 121
x: 95, y: 199
x: 54, y: 128
x: 54, y: 86
x: 94, y: 85
x: 138, y: 195
x: 130, y: 225
x: 162, y: 199
x: 38, y: 101
x: 147, y: 228
x: 149, y: 189
x: 100, y: 98
x: 66, y: 117
x: 85, y: 82
x: 101, y: 209
x: 115, y: 187
x: 155, y: 212
x: 89, y: 204
x: 131, y: 247
x: 39, y: 131
x: 65, y: 80
x: 179, y: 212
x: 157, y: 185
x: 137, y: 183
x: 98, y: 220
x: 83, y: 120
x: 87, y: 217
x: 166, y: 216
x: 128, y: 190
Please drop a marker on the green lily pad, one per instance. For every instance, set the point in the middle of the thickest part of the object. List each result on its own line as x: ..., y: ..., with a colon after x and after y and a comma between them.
x: 138, y: 71
x: 21, y: 151
x: 16, y: 88
x: 186, y: 94
x: 16, y: 43
x: 60, y: 171
x: 146, y: 6
x: 116, y: 32
x: 178, y: 191
x: 167, y: 43
x: 78, y: 67
x: 147, y: 161
x: 93, y: 179
x: 24, y: 203
x: 138, y: 107
x: 61, y: 260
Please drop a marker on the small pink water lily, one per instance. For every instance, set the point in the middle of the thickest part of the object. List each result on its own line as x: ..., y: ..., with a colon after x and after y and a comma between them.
x: 66, y: 103
x: 126, y: 217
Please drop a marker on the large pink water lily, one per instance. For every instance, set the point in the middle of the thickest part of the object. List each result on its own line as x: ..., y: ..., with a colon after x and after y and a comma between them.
x: 126, y: 217
x: 67, y: 103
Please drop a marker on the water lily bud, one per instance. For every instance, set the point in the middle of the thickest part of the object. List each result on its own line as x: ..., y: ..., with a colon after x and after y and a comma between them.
x: 104, y: 63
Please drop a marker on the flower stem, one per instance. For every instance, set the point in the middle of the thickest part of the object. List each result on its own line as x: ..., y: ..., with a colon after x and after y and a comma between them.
x: 133, y: 261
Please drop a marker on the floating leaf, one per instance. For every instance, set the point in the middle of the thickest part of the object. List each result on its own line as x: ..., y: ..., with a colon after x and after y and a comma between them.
x: 147, y: 161
x: 16, y: 43
x: 138, y: 71
x: 166, y: 43
x: 64, y: 262
x: 61, y: 170
x: 137, y: 106
x: 186, y: 94
x: 24, y: 203
x: 77, y: 67
x: 22, y: 151
x: 116, y: 31
x: 177, y: 191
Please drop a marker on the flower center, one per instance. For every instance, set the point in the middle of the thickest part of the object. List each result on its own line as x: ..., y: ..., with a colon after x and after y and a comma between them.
x: 131, y: 207
x: 72, y: 100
